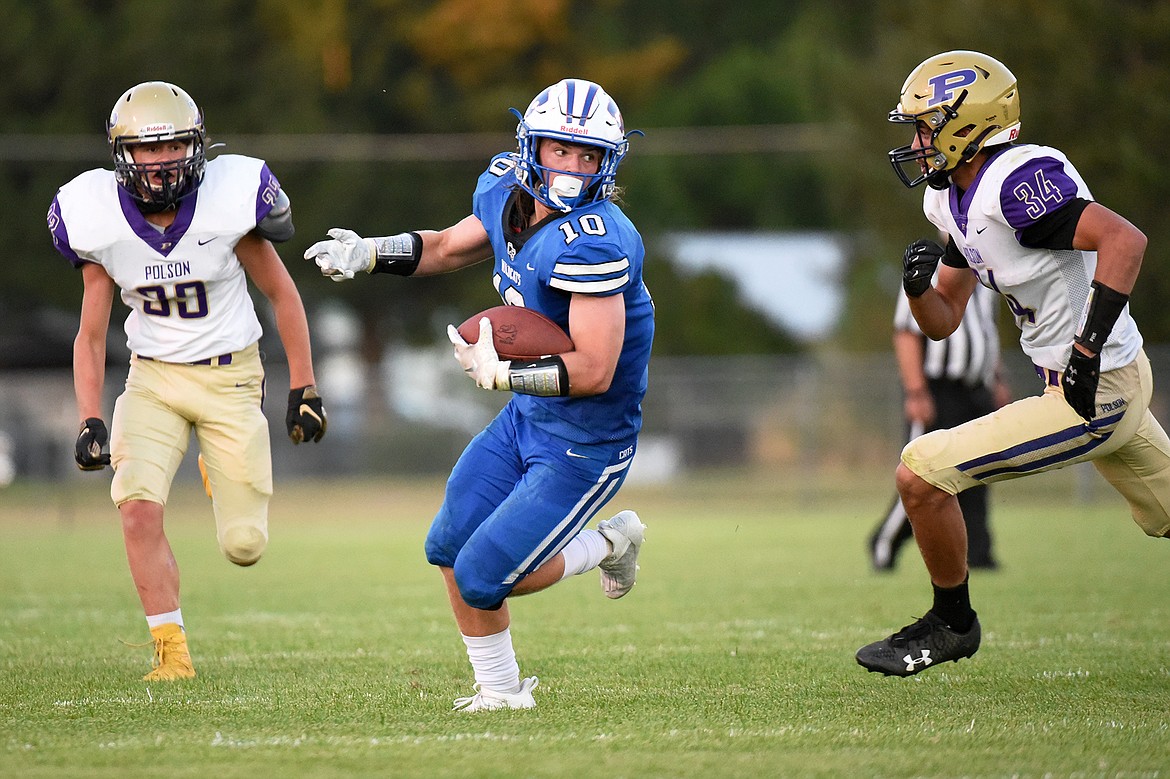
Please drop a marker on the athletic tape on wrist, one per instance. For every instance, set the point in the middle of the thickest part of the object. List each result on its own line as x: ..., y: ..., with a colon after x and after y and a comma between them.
x: 546, y: 377
x: 397, y: 254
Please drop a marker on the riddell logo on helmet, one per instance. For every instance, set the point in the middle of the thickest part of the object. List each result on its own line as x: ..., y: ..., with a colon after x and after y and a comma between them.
x: 157, y: 129
x: 575, y: 130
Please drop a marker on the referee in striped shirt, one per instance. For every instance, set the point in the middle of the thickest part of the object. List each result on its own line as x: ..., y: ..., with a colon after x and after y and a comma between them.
x: 946, y: 383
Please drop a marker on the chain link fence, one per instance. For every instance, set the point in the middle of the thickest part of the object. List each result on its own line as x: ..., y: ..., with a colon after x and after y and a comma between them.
x: 806, y: 417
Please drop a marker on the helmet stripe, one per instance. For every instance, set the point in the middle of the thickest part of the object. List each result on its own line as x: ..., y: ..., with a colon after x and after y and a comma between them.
x: 587, y: 109
x: 570, y: 98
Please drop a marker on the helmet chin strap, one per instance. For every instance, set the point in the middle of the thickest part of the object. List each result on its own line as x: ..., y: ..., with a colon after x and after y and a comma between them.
x: 939, y: 179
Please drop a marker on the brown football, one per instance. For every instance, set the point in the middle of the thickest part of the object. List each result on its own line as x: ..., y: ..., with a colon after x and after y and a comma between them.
x: 519, y: 333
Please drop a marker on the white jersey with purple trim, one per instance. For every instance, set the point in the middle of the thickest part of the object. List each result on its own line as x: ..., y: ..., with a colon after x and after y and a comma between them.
x: 1046, y: 289
x: 187, y: 292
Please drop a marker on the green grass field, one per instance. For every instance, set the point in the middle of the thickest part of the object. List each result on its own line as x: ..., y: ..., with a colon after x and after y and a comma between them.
x: 337, y: 655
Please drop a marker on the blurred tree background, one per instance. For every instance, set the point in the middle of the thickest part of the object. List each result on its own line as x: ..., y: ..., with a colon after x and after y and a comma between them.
x: 759, y: 116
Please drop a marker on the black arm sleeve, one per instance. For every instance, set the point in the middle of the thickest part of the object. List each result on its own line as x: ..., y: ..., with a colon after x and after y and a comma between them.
x: 1055, y: 230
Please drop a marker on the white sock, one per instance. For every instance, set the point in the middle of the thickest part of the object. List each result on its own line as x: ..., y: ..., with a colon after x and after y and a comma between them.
x: 584, y: 553
x: 176, y: 616
x: 494, y: 661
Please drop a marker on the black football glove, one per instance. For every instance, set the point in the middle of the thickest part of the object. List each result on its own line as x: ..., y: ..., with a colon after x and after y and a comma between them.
x: 918, y: 264
x: 306, y: 415
x: 1080, y: 383
x: 90, y: 441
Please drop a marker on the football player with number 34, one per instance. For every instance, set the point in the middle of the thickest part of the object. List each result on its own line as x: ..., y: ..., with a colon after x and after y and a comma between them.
x: 179, y: 235
x: 517, y: 502
x: 1022, y: 222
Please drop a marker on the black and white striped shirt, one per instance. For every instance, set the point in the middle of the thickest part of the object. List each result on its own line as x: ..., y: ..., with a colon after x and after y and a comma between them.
x: 971, y: 353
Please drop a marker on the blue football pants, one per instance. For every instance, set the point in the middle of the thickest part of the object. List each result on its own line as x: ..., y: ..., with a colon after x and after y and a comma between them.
x: 516, y: 496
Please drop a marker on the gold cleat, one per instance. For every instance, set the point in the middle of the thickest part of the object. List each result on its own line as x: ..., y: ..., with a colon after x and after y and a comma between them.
x: 172, y: 660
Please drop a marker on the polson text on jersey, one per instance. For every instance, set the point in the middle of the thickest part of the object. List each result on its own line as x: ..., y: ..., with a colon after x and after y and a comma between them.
x: 170, y: 270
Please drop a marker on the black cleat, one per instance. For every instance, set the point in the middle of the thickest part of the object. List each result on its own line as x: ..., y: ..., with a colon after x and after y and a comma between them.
x: 916, y: 647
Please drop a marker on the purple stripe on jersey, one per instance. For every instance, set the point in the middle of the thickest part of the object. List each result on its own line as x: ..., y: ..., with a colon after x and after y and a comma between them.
x: 164, y: 242
x: 1035, y: 189
x: 960, y: 201
x: 61, y: 235
x: 266, y: 196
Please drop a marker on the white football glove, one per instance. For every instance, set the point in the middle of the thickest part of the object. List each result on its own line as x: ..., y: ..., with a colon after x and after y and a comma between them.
x: 344, y: 255
x: 479, y: 360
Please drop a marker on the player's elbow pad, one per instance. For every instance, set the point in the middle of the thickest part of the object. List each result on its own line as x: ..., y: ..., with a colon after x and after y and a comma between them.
x: 277, y: 226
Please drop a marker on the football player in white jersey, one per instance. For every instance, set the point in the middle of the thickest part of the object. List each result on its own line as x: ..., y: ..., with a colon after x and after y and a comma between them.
x: 1021, y: 221
x: 179, y: 235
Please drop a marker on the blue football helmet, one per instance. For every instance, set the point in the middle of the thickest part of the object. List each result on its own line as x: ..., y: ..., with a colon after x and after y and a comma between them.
x: 574, y: 111
x: 148, y: 113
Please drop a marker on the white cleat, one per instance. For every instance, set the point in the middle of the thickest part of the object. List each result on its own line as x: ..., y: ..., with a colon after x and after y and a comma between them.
x: 490, y: 700
x: 625, y: 533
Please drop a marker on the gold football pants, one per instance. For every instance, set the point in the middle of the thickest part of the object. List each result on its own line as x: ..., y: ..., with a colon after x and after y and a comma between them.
x: 152, y: 425
x: 1042, y: 433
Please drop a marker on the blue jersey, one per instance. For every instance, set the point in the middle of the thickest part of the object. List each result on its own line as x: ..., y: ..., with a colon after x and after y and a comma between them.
x: 592, y: 250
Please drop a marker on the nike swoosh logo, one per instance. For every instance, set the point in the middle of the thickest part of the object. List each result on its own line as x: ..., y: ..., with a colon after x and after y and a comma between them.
x: 529, y: 266
x: 571, y: 453
x: 979, y: 230
x: 209, y: 240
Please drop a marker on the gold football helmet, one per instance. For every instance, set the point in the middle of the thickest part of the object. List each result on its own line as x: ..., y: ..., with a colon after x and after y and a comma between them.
x: 148, y: 113
x: 968, y: 101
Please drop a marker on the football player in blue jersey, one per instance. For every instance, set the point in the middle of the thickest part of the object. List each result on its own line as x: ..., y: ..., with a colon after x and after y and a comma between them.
x: 518, y: 500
